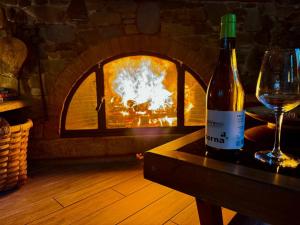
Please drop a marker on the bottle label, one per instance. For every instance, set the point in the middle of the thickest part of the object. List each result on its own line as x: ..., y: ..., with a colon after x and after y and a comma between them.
x: 225, y: 129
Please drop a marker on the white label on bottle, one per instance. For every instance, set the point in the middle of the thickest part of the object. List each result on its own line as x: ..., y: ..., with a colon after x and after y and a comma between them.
x: 225, y: 129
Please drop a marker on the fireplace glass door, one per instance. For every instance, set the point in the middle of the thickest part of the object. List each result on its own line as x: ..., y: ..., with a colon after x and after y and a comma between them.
x: 82, y: 113
x: 134, y: 91
x: 140, y: 91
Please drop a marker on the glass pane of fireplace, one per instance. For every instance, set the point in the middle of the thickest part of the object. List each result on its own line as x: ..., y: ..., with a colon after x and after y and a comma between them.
x: 82, y: 112
x: 194, y: 102
x: 140, y: 91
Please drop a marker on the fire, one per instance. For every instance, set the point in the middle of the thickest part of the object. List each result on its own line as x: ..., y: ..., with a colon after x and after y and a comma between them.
x: 188, y: 105
x: 142, y: 91
x: 141, y: 85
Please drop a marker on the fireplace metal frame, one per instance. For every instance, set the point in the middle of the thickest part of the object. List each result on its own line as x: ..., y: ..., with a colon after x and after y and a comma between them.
x: 102, y: 130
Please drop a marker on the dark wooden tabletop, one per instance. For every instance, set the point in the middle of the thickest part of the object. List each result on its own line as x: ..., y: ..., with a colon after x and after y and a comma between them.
x: 242, y: 184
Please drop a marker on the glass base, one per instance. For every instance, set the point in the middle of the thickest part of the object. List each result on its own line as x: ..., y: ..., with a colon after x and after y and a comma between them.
x: 283, y: 160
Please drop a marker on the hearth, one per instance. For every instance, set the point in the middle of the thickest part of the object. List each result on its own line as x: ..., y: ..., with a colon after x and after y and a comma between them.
x: 134, y: 93
x: 90, y: 115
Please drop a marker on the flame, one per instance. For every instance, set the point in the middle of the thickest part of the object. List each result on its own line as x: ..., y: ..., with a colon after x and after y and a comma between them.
x: 124, y: 113
x: 141, y: 85
x: 169, y: 120
x: 141, y: 91
x: 188, y: 105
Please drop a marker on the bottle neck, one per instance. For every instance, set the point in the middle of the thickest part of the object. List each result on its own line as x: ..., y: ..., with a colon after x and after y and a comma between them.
x: 227, y: 43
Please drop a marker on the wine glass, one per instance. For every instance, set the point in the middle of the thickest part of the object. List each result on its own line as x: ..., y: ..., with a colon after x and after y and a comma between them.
x: 278, y: 88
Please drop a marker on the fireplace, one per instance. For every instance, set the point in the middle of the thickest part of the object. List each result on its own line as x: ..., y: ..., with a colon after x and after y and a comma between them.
x: 140, y: 91
x: 79, y: 105
x: 92, y: 112
x: 134, y: 93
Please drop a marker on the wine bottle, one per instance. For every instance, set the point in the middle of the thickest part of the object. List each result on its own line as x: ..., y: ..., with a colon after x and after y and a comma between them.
x: 225, y: 117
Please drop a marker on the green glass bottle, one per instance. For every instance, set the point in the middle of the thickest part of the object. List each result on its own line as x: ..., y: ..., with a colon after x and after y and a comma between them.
x: 225, y: 119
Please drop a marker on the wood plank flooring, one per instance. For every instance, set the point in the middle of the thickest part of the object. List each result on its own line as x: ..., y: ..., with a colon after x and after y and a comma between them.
x: 98, y: 193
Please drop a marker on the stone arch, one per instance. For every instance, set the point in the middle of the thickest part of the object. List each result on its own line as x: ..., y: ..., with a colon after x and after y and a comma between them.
x: 198, y: 61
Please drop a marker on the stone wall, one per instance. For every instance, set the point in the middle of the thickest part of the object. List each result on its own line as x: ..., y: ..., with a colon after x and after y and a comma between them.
x: 62, y: 41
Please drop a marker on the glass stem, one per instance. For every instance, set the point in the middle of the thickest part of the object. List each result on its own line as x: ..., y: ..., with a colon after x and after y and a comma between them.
x: 276, y: 149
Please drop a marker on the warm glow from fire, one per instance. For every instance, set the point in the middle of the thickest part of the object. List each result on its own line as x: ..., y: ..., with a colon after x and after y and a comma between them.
x: 194, y: 102
x: 140, y: 91
x: 188, y: 105
x: 140, y: 85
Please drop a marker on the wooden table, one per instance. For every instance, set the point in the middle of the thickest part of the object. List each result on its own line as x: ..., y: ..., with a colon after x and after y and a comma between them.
x: 243, y: 185
x: 13, y: 104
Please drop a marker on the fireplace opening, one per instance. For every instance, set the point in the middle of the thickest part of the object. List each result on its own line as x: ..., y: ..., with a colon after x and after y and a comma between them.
x: 136, y: 92
x: 140, y: 91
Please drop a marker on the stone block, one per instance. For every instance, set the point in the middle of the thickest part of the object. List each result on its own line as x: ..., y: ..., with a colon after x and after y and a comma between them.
x: 105, y: 18
x: 245, y: 38
x: 53, y: 66
x: 48, y: 82
x: 176, y: 50
x: 293, y: 36
x: 59, y: 2
x: 58, y: 33
x: 45, y: 14
x: 2, y: 33
x: 183, y: 15
x: 146, y: 40
x: 174, y: 29
x: 262, y: 37
x: 124, y: 6
x: 55, y: 147
x: 48, y: 47
x: 131, y: 29
x: 40, y: 2
x: 148, y: 17
x: 63, y: 54
x: 294, y: 17
x: 110, y: 32
x: 35, y: 91
x: 36, y: 110
x: 128, y: 15
x: 9, y: 2
x: 249, y: 5
x: 89, y: 37
x: 129, y: 21
x: 283, y: 11
x: 136, y: 43
x: 215, y: 11
x: 163, y: 45
x: 150, y: 43
x: 198, y: 15
x: 253, y: 20
x: 126, y: 44
x: 115, y: 46
x: 196, y: 42
x: 24, y: 3
x: 34, y: 82
x: 267, y: 8
x: 37, y: 130
x: 167, y: 16
x: 253, y: 58
x: 51, y: 130
x: 203, y: 28
x: 53, y: 55
x: 231, y: 6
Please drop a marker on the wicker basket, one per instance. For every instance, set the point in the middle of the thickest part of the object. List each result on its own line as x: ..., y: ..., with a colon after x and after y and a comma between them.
x: 13, y: 156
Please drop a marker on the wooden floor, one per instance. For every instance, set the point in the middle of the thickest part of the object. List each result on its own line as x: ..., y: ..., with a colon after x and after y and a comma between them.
x: 102, y: 193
